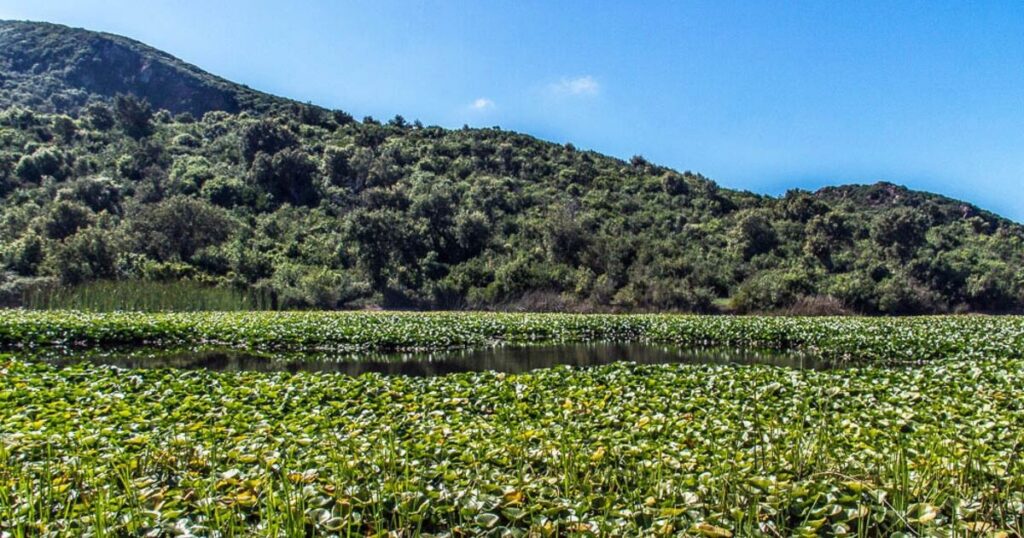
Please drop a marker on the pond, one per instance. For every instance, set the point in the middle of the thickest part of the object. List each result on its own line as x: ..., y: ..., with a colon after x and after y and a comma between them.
x: 509, y: 359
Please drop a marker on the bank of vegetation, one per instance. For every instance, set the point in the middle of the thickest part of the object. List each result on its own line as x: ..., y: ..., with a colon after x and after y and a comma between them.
x: 188, y: 178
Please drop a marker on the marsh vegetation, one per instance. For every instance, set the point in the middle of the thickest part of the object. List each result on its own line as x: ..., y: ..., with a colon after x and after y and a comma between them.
x: 920, y: 436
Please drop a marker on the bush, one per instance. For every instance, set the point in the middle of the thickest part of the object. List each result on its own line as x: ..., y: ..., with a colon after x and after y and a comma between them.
x: 87, y: 255
x: 753, y: 234
x: 901, y: 294
x: 901, y: 230
x: 99, y: 116
x: 24, y: 255
x: 45, y: 161
x: 771, y: 290
x: 134, y: 115
x: 176, y: 228
x: 288, y: 177
x: 66, y: 218
x: 856, y: 290
x: 297, y: 286
x: 265, y: 136
x: 96, y: 193
x: 224, y: 192
x: 817, y: 305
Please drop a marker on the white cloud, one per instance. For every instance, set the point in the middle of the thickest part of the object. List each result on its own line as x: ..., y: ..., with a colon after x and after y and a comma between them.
x: 584, y: 85
x: 482, y: 103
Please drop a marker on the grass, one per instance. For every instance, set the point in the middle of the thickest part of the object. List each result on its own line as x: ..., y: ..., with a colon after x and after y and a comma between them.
x: 144, y: 296
x: 618, y: 450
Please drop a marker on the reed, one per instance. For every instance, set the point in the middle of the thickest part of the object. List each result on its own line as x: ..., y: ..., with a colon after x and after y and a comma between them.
x: 145, y: 296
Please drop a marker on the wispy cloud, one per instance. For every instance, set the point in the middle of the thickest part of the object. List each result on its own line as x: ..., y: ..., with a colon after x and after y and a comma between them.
x: 582, y: 85
x: 482, y: 103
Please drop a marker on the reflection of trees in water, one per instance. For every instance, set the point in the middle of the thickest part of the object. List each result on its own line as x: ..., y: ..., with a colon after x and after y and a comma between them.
x: 510, y: 359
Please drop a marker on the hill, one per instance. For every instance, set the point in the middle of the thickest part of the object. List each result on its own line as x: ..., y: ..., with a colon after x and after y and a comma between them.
x: 54, y: 68
x: 106, y: 175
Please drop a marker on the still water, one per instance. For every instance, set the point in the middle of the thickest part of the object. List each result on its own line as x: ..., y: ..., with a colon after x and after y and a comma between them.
x: 509, y: 359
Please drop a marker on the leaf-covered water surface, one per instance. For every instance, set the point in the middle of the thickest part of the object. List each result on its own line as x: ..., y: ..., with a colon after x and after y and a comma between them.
x: 621, y: 449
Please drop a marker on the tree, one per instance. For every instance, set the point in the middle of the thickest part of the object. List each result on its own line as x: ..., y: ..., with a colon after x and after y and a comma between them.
x: 674, y: 183
x: 336, y: 166
x: 65, y: 128
x: 99, y: 116
x: 66, y: 218
x: 288, y: 177
x: 174, y: 229
x: 398, y: 121
x: 90, y: 254
x: 96, y: 193
x: 753, y: 234
x: 801, y: 206
x: 44, y: 161
x: 564, y: 237
x: 639, y: 162
x: 901, y: 294
x: 224, y: 192
x: 901, y: 230
x: 826, y: 234
x: 384, y: 240
x: 26, y: 254
x: 134, y: 115
x: 472, y: 231
x: 265, y: 136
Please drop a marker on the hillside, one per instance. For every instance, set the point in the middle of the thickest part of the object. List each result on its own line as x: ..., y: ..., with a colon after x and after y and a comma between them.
x: 319, y: 210
x: 54, y: 68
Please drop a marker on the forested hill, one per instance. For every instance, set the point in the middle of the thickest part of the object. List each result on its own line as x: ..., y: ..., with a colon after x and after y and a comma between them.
x: 54, y: 68
x: 106, y: 175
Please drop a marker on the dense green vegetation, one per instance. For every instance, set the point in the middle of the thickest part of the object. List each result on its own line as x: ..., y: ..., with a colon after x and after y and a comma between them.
x: 142, y: 296
x: 53, y: 68
x: 930, y: 450
x: 314, y: 209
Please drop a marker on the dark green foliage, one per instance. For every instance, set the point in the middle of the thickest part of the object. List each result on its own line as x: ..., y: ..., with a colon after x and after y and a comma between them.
x: 25, y: 254
x: 314, y: 209
x: 141, y: 296
x: 176, y: 228
x: 54, y: 68
x: 66, y: 218
x: 96, y: 193
x: 44, y: 161
x: 423, y: 217
x: 134, y: 115
x: 99, y: 117
x: 902, y: 230
x: 90, y: 254
x: 753, y: 234
x: 289, y: 176
x: 265, y: 137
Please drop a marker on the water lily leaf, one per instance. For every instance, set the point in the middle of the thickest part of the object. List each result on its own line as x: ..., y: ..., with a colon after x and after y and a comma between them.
x: 487, y: 520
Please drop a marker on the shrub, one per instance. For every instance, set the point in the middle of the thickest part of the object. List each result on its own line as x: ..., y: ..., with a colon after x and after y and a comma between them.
x: 66, y: 218
x: 45, y: 161
x: 901, y: 294
x: 753, y: 234
x: 134, y: 115
x: 176, y: 228
x: 96, y: 193
x: 265, y: 136
x: 771, y: 290
x: 90, y: 254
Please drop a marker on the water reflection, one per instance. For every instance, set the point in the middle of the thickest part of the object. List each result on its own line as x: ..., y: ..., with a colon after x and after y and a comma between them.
x: 510, y: 359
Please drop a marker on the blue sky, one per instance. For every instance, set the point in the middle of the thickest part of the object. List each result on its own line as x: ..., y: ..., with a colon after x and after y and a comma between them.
x: 756, y: 95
